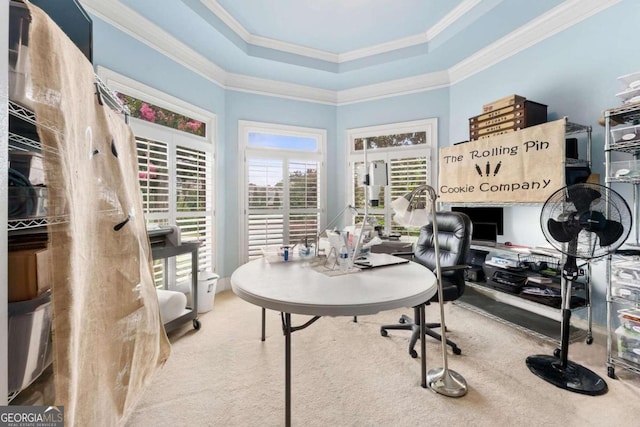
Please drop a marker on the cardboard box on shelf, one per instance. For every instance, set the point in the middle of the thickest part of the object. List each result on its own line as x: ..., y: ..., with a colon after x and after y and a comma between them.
x: 28, y: 274
x: 503, y: 102
x: 507, y: 119
x: 593, y: 178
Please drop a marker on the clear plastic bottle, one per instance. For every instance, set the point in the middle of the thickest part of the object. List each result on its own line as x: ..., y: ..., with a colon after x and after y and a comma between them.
x: 344, y: 261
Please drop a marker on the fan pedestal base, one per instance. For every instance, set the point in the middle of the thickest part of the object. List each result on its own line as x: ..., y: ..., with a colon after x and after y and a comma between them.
x: 572, y: 377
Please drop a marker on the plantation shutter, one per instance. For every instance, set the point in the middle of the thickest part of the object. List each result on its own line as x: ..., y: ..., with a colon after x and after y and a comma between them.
x: 153, y: 174
x: 265, y: 214
x: 193, y: 207
x: 281, y: 211
x: 405, y: 174
x: 190, y: 208
x: 304, y: 208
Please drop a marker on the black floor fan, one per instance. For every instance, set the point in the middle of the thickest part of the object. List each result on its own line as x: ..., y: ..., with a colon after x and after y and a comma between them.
x: 583, y: 221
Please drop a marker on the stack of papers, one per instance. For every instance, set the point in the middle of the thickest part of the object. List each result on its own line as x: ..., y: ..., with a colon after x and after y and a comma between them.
x: 539, y: 279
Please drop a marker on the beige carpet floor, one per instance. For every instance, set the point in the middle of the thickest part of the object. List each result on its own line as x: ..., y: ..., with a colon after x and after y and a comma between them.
x: 346, y: 374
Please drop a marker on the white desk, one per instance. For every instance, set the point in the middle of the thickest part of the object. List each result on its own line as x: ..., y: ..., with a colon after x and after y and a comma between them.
x: 296, y: 288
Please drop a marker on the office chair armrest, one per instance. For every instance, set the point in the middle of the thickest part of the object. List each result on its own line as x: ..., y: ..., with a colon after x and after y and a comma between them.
x: 454, y: 267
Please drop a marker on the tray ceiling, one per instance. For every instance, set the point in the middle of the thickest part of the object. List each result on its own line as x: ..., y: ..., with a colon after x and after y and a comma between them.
x: 341, y: 46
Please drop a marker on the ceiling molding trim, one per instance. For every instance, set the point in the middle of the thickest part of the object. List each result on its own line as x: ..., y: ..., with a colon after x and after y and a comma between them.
x: 564, y: 16
x: 383, y: 48
x: 226, y: 17
x: 448, y: 20
x: 266, y: 42
x: 293, y: 48
x: 252, y: 39
x: 260, y: 86
x: 409, y: 85
x: 143, y: 30
x: 455, y: 14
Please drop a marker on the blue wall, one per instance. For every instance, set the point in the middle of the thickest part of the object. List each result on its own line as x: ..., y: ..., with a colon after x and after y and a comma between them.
x: 573, y: 72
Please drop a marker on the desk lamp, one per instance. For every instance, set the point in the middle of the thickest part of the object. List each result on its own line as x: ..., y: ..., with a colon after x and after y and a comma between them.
x: 411, y: 212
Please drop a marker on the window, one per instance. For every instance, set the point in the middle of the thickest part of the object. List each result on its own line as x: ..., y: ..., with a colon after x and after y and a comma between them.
x: 176, y: 165
x: 282, y: 192
x: 175, y: 174
x: 407, y: 149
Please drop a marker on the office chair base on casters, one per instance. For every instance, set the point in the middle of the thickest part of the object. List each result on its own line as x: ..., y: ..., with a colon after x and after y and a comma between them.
x: 572, y: 377
x: 408, y: 324
x: 446, y: 382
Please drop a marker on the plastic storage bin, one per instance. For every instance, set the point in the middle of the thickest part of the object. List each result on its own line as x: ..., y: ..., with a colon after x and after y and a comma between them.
x: 625, y: 134
x: 625, y: 170
x: 29, y: 164
x: 625, y: 280
x: 628, y: 344
x: 29, y: 341
x: 20, y: 89
x: 630, y: 319
x: 27, y: 202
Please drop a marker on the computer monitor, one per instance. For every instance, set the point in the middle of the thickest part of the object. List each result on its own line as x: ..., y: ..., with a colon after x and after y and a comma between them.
x: 484, y: 233
x: 484, y: 215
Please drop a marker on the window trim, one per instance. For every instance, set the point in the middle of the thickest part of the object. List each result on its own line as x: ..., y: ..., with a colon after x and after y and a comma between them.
x: 429, y: 126
x: 244, y: 128
x: 119, y: 82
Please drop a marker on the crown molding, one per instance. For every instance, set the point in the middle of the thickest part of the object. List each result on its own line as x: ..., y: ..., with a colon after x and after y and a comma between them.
x: 563, y: 16
x: 558, y: 19
x: 228, y: 20
x: 260, y: 86
x: 455, y: 14
x: 420, y: 83
x: 293, y: 48
x: 137, y: 26
x: 269, y: 43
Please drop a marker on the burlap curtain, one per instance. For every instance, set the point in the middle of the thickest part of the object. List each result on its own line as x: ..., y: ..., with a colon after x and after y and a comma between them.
x: 107, y: 335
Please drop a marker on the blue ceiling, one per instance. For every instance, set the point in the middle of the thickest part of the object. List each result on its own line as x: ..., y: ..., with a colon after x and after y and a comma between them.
x: 338, y: 44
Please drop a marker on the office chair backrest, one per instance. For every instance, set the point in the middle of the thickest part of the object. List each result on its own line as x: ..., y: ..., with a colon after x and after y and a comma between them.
x: 454, y: 236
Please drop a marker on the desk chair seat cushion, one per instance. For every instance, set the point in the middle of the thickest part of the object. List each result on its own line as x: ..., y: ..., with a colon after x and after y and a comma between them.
x: 454, y: 237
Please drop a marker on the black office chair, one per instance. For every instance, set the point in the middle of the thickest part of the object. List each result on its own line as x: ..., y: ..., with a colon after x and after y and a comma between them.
x: 454, y: 235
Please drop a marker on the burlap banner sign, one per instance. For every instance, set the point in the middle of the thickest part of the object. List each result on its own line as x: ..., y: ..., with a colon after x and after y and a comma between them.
x: 526, y: 166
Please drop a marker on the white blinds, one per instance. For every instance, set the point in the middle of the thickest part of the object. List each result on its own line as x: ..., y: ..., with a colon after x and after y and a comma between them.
x: 281, y: 210
x: 405, y: 174
x: 188, y: 171
x: 153, y: 175
x: 193, y: 205
x: 406, y: 171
